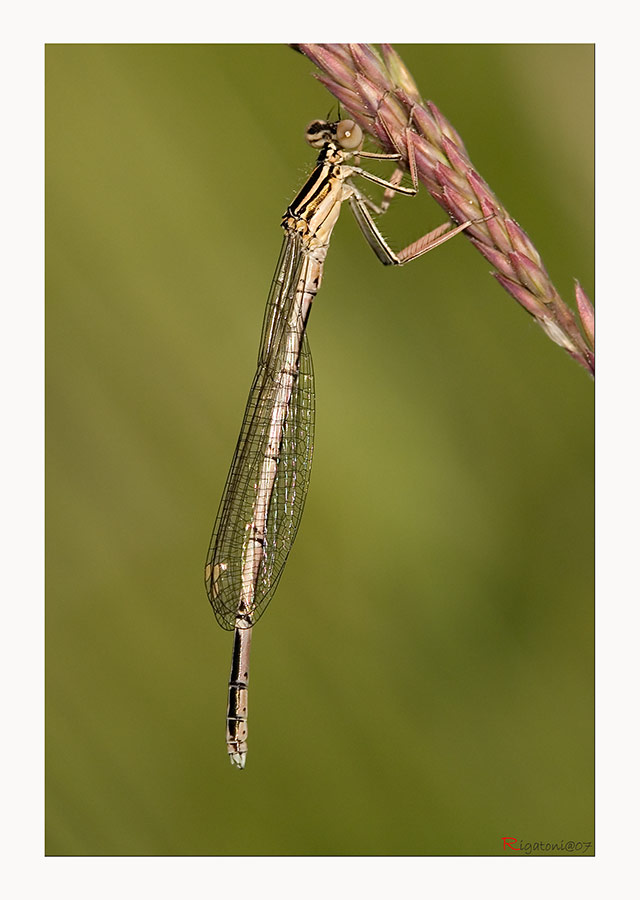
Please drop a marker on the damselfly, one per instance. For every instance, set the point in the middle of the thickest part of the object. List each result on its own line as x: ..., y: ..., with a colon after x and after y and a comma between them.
x: 266, y: 487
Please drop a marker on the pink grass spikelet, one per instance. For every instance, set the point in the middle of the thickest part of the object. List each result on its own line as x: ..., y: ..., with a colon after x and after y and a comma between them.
x: 586, y: 313
x: 378, y: 92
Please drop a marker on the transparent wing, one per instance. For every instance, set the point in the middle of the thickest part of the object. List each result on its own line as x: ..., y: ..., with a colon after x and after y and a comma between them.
x: 224, y: 567
x: 292, y: 481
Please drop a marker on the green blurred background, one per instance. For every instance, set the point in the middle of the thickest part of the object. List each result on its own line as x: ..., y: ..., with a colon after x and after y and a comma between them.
x: 423, y: 681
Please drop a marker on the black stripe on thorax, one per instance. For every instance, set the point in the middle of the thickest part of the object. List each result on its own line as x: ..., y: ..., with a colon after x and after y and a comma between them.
x: 314, y: 191
x: 317, y: 186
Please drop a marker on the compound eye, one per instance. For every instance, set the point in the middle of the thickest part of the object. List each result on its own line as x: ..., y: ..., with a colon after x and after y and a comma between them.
x: 349, y: 134
x: 316, y: 133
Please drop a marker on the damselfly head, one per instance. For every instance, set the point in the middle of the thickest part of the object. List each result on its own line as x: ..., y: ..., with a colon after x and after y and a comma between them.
x: 346, y: 134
